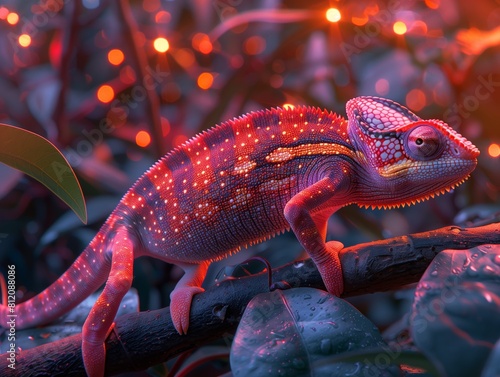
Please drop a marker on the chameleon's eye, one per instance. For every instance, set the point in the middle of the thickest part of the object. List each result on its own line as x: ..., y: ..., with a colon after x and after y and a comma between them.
x: 424, y: 142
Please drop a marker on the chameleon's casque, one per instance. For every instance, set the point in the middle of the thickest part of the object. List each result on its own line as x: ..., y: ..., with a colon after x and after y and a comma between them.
x: 244, y: 181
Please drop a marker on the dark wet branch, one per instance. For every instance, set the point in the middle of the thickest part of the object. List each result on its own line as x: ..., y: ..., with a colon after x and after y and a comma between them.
x: 140, y: 340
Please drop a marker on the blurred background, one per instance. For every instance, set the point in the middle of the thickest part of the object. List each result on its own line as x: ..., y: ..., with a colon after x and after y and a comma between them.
x: 117, y: 84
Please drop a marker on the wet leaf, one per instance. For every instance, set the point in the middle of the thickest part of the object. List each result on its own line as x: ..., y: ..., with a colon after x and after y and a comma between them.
x: 286, y: 332
x: 455, y: 316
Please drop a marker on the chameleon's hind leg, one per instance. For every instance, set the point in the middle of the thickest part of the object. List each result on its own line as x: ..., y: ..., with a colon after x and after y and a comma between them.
x: 102, y: 315
x: 182, y: 295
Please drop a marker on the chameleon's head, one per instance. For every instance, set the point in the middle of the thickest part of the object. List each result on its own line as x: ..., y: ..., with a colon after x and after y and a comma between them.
x: 403, y: 158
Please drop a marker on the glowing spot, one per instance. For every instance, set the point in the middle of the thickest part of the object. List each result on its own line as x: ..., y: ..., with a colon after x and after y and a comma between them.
x: 142, y: 139
x: 13, y: 18
x: 254, y: 45
x: 416, y: 100
x: 494, y: 150
x: 333, y: 15
x: 382, y: 87
x: 432, y: 4
x: 360, y: 21
x: 24, y: 40
x: 399, y: 27
x: 205, y: 80
x: 4, y: 12
x: 244, y: 167
x: 105, y: 93
x: 162, y: 17
x: 201, y: 42
x: 116, y: 56
x: 184, y: 57
x: 288, y: 106
x: 161, y: 44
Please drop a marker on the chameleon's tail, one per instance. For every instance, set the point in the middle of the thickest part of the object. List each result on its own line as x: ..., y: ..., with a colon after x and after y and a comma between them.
x: 84, y: 276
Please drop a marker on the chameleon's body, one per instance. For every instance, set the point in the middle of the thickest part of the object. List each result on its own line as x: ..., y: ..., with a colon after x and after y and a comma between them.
x: 244, y: 181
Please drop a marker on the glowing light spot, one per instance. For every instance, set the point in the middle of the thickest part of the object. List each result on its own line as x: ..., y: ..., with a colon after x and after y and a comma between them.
x: 4, y: 12
x: 165, y: 126
x: 360, y: 21
x: 24, y: 40
x: 127, y: 75
x: 161, y: 44
x: 184, y: 57
x: 254, y: 45
x: 333, y: 15
x: 201, y: 42
x: 205, y: 80
x: 494, y: 150
x: 382, y: 87
x: 288, y: 106
x: 12, y: 18
x: 399, y: 27
x: 432, y: 4
x: 142, y: 139
x: 115, y: 56
x: 162, y: 17
x: 105, y: 93
x: 416, y: 99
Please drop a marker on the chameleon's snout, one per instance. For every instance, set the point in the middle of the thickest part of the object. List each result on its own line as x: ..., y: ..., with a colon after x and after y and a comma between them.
x: 468, y: 151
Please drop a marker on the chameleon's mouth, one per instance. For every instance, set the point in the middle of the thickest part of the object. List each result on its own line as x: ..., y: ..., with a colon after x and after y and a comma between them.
x: 436, y: 183
x: 417, y: 199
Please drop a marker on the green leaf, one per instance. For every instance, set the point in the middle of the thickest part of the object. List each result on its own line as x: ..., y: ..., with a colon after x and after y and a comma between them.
x: 40, y: 159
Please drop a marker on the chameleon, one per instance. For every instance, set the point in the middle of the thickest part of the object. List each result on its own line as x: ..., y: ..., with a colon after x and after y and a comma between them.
x: 244, y: 181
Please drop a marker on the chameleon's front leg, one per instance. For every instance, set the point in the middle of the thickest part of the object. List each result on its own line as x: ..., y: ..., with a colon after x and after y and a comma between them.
x: 308, y: 213
x: 101, y: 317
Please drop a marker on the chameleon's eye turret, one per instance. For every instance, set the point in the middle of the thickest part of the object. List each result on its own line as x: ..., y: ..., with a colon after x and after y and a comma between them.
x: 424, y: 143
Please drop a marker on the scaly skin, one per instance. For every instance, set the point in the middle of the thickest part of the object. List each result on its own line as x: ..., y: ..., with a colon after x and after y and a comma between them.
x: 244, y: 181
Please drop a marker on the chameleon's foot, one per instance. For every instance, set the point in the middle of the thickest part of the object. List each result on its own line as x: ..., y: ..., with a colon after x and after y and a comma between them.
x: 330, y: 268
x: 94, y: 356
x: 180, y: 306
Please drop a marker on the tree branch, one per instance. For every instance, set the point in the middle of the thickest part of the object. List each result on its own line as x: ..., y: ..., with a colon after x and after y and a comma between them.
x: 140, y: 340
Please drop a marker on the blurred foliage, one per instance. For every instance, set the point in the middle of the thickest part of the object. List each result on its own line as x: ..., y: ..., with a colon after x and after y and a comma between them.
x: 92, y: 77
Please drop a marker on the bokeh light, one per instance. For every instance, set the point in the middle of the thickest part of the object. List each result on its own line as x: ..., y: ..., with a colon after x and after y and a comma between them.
x: 201, y: 42
x: 333, y: 15
x: 105, y: 93
x: 161, y: 44
x: 399, y: 27
x: 162, y: 17
x: 382, y: 87
x: 416, y: 99
x: 4, y: 12
x: 116, y: 56
x: 24, y: 40
x: 205, y: 80
x: 494, y: 150
x: 288, y: 106
x: 254, y: 45
x: 142, y: 139
x: 12, y: 18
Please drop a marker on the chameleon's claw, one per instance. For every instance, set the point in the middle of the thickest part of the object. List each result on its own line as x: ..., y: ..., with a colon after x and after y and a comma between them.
x: 180, y: 305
